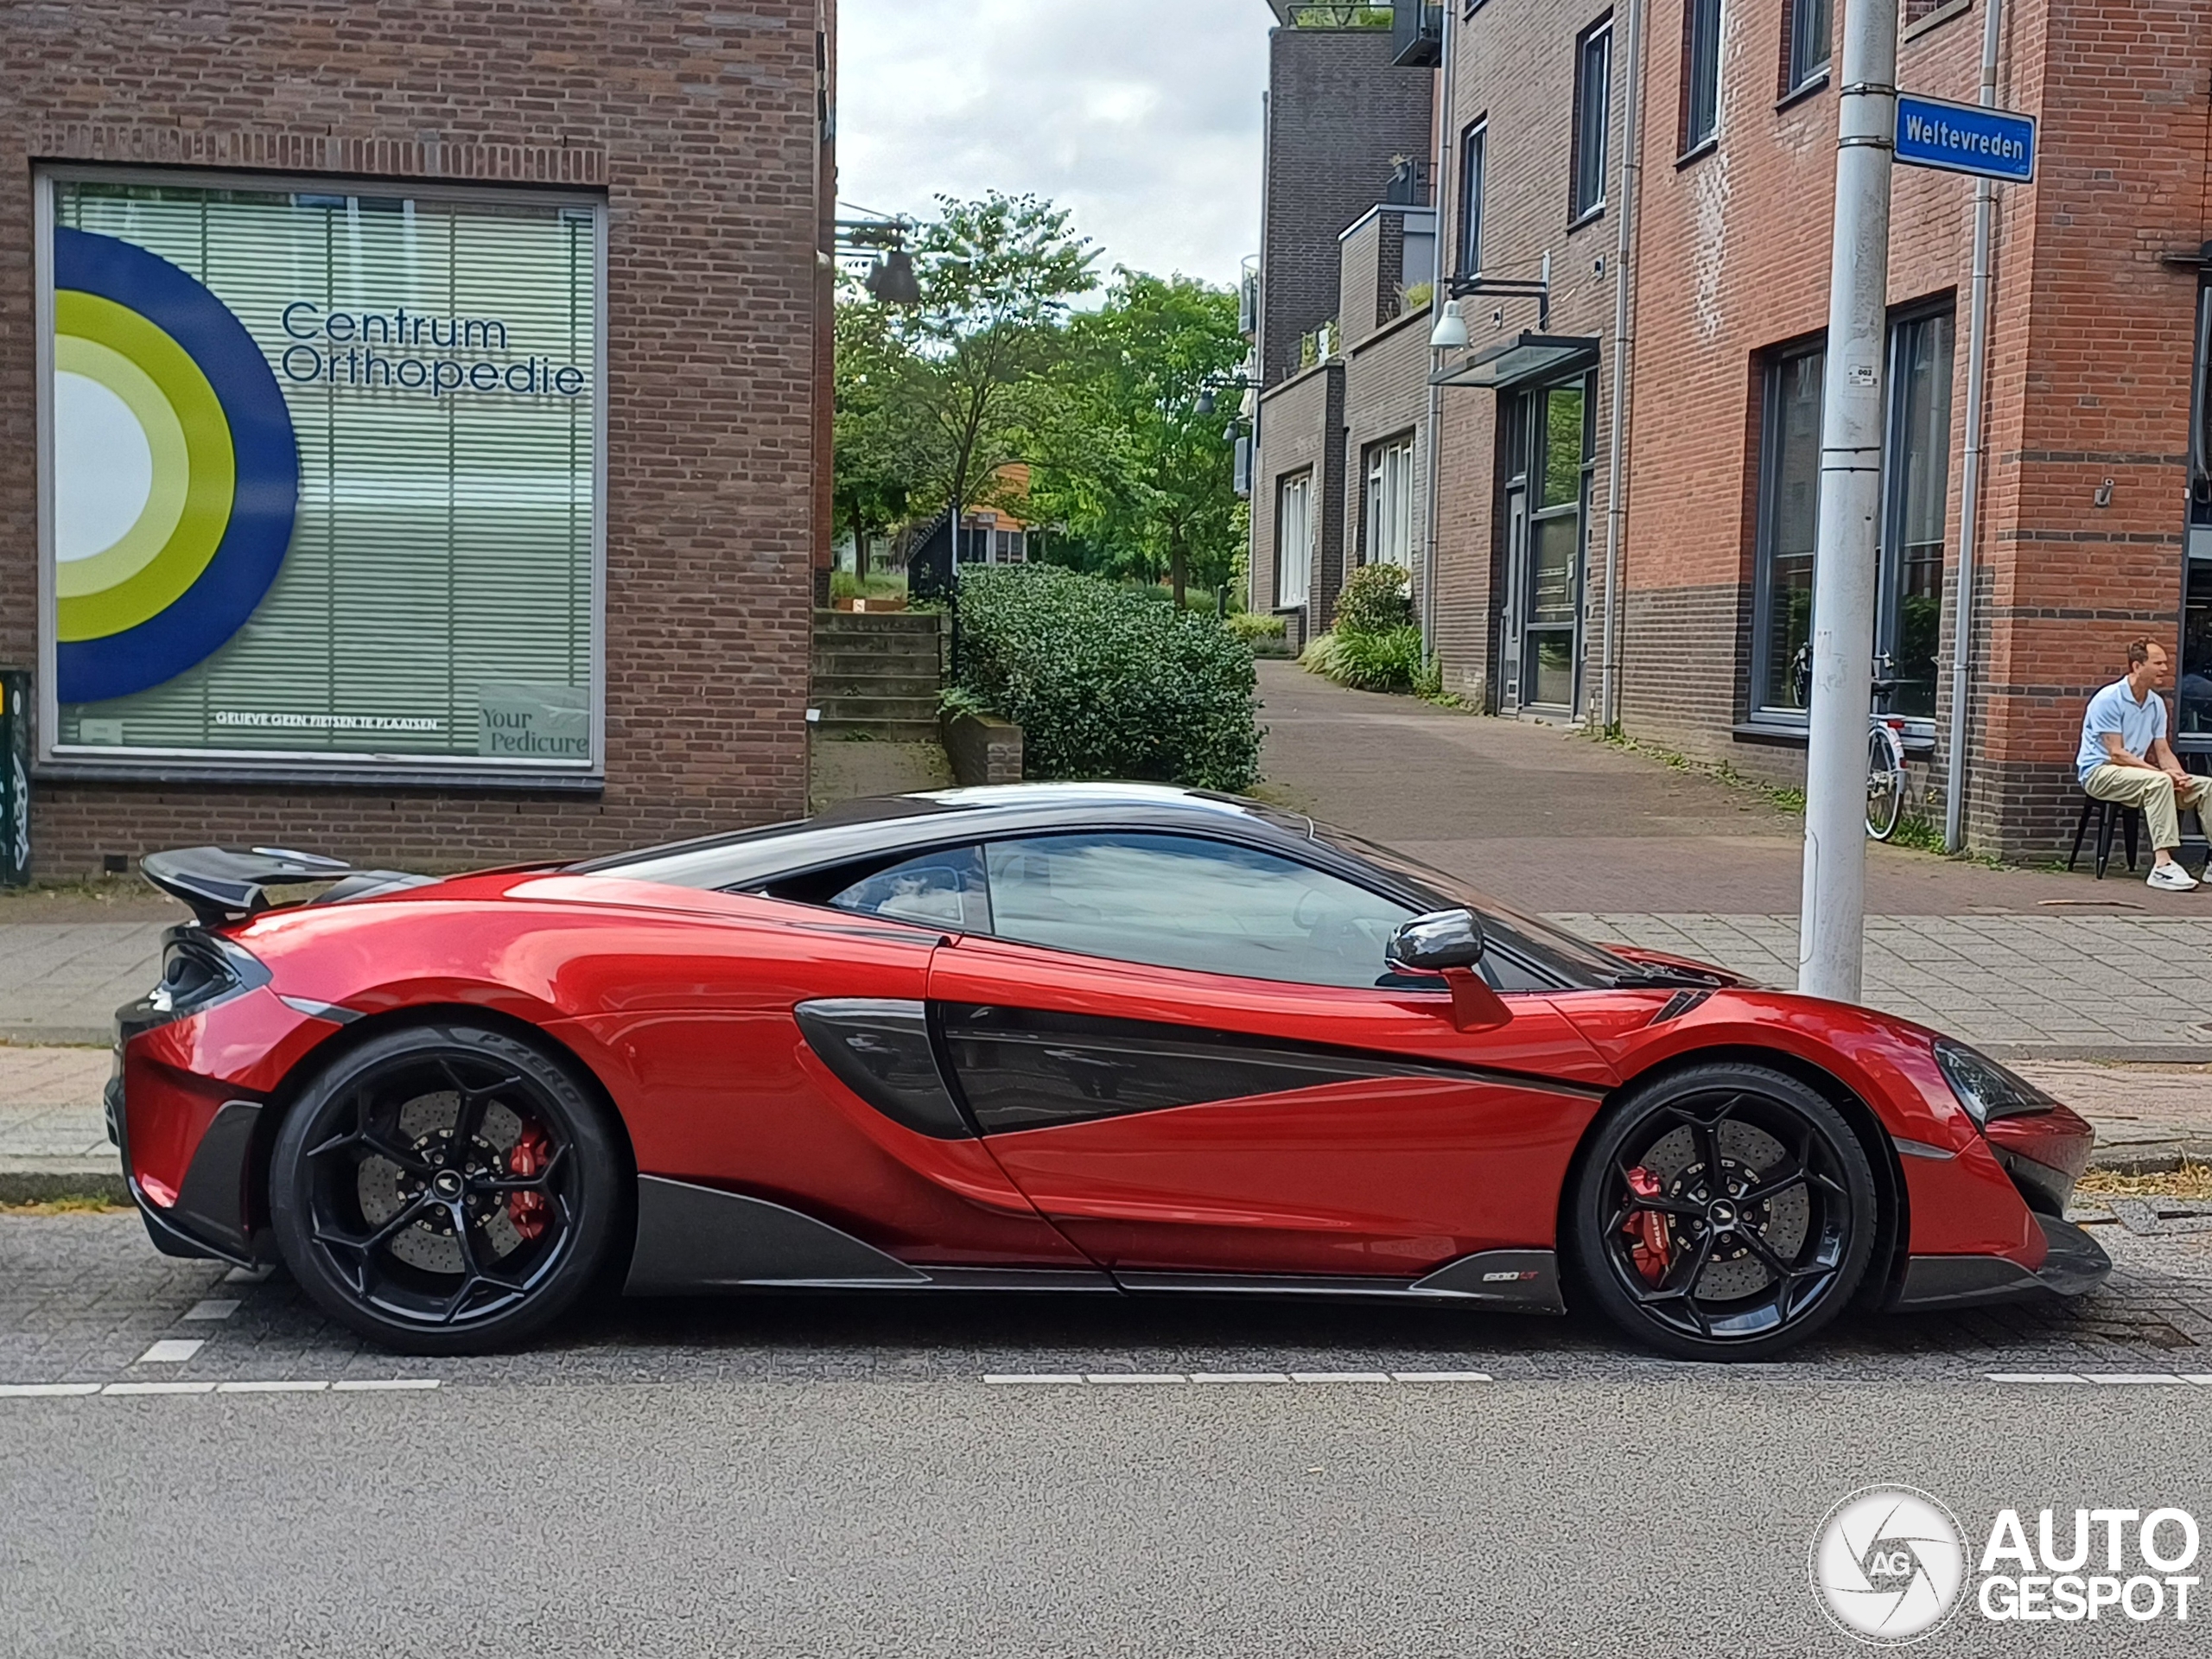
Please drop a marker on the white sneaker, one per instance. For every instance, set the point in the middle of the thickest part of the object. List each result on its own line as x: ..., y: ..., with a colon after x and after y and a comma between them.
x: 2171, y: 878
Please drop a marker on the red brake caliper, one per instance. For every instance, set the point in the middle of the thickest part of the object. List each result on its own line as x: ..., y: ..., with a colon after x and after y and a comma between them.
x: 1653, y: 1251
x: 529, y: 1157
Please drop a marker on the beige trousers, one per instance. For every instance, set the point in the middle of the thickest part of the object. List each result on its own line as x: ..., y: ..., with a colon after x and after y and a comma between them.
x: 2154, y: 793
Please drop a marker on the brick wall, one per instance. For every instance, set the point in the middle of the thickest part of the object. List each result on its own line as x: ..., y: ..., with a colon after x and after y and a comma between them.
x: 1386, y: 395
x: 1514, y: 68
x: 2090, y: 370
x: 1302, y: 429
x: 1338, y: 109
x: 703, y: 126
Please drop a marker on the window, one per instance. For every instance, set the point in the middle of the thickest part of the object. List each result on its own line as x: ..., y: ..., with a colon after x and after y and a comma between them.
x: 325, y: 489
x: 941, y: 889
x: 1593, y: 116
x: 1915, y: 507
x: 1294, y: 542
x: 1390, y: 503
x: 1811, y: 40
x: 1474, y: 155
x: 1176, y: 902
x: 1700, y: 74
x: 1790, y: 529
x: 1919, y: 508
x: 1010, y: 546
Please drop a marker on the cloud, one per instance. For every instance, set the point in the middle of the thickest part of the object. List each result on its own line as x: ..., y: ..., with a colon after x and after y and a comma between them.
x: 1143, y: 116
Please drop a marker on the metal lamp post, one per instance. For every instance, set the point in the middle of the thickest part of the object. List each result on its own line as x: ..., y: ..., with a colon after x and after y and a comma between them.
x: 1831, y: 948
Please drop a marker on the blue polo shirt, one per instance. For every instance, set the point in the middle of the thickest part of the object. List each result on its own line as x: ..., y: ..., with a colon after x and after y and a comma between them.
x: 2114, y: 710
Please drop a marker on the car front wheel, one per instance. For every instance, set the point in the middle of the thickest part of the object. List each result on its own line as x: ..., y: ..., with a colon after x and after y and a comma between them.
x: 444, y: 1189
x: 1723, y: 1212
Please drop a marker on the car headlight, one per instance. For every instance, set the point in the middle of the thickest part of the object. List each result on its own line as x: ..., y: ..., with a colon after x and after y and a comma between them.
x: 1987, y: 1090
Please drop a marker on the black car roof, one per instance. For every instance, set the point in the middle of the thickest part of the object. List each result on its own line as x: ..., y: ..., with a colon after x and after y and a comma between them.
x: 865, y: 828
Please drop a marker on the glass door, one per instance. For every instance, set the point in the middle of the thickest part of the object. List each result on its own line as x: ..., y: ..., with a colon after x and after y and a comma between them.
x: 1551, y: 601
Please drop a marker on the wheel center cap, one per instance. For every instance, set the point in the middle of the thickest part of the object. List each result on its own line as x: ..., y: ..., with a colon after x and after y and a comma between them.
x: 448, y: 1184
x: 1721, y: 1213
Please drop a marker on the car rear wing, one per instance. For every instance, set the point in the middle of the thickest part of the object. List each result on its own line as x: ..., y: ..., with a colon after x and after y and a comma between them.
x: 221, y: 885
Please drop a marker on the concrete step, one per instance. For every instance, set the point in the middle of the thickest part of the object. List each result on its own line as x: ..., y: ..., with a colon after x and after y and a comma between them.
x: 881, y: 731
x: 921, y: 688
x: 894, y: 659
x: 873, y: 623
x: 906, y: 710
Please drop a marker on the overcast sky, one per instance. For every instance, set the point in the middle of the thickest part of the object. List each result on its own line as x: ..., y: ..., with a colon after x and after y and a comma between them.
x: 1141, y: 115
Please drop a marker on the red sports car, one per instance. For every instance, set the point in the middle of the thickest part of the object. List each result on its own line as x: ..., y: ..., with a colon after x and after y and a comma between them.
x: 1107, y: 1038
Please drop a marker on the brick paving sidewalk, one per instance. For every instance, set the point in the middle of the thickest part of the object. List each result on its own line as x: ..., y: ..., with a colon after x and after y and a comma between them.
x: 2045, y: 988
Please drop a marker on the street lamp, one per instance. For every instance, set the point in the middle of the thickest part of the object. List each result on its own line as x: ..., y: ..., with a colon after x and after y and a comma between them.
x: 891, y: 277
x: 1450, y: 334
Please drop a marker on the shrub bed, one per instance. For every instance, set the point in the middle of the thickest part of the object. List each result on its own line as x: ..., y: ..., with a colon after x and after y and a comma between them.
x: 1375, y: 644
x: 1105, y: 684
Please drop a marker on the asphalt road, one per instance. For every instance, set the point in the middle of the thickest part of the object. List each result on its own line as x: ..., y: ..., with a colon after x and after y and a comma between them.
x: 843, y: 1478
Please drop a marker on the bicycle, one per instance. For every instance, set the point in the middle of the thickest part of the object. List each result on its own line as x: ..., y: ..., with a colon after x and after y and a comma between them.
x: 1886, y: 774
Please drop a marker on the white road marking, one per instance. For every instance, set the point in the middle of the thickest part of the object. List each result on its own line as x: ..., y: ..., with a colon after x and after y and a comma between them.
x: 1018, y: 1379
x: 2199, y: 1378
x: 1442, y: 1376
x: 46, y: 1390
x: 1111, y: 1378
x: 247, y: 1276
x: 2099, y: 1379
x: 1240, y: 1377
x: 159, y: 1388
x: 171, y: 1351
x: 1340, y: 1376
x: 271, y: 1388
x: 2134, y: 1379
x: 2035, y: 1376
x: 212, y: 1308
x: 397, y: 1384
x: 1168, y: 1379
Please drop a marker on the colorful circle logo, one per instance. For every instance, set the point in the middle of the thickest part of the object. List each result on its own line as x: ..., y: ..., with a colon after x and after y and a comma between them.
x: 176, y: 474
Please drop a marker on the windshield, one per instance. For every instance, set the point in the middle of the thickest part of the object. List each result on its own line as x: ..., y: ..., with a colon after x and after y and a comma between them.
x: 1551, y: 950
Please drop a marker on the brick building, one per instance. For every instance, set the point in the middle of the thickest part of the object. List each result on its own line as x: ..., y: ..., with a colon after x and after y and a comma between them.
x: 414, y: 437
x: 1686, y: 192
x: 1338, y: 468
x: 2094, y: 484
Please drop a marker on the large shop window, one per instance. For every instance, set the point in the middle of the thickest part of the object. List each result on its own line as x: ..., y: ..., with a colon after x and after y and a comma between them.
x: 1294, y: 541
x: 1915, y: 494
x: 324, y: 480
x: 1390, y: 503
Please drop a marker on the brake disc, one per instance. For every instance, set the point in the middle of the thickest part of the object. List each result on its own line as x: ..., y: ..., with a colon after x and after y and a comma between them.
x: 1748, y: 1155
x: 425, y: 1126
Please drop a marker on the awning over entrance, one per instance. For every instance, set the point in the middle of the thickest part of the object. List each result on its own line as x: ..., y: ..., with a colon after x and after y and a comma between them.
x: 1525, y: 359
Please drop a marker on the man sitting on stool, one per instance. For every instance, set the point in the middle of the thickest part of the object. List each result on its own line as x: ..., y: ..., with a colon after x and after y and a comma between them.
x: 2126, y: 758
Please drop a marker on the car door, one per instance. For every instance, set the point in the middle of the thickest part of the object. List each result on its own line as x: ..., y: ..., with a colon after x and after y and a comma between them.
x: 1189, y: 1055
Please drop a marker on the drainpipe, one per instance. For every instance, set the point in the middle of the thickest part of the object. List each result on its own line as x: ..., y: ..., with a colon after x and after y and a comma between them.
x: 1609, y: 703
x: 1437, y: 296
x: 1985, y: 213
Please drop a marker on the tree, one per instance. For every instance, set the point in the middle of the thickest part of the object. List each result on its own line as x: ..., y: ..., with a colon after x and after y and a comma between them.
x: 870, y: 484
x: 969, y: 372
x: 1132, y: 464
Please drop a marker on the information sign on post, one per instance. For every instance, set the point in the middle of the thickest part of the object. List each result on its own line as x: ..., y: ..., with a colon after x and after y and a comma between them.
x: 1965, y: 138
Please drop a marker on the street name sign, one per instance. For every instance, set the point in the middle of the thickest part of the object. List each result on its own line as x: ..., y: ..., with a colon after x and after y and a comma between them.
x: 1966, y: 138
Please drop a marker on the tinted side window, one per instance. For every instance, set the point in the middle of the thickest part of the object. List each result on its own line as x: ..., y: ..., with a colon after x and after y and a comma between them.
x: 1176, y: 902
x: 939, y: 889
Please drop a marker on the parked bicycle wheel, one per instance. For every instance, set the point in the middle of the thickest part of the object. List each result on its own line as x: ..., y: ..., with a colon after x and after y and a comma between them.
x: 1884, y: 782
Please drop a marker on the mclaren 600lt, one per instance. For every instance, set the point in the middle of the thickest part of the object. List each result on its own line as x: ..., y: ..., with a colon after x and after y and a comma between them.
x: 1120, y: 1039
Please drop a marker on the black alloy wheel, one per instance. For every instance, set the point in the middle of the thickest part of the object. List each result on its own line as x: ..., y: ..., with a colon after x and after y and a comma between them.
x: 1723, y: 1212
x: 444, y: 1189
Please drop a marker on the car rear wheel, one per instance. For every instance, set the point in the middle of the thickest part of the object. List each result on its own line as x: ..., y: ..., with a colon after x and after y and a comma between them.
x: 444, y: 1189
x: 1723, y: 1212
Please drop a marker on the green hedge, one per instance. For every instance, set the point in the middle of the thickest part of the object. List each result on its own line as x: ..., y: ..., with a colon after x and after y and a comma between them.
x: 1106, y: 684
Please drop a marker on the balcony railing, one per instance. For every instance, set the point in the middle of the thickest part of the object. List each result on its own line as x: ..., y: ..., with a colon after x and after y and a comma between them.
x: 1417, y: 32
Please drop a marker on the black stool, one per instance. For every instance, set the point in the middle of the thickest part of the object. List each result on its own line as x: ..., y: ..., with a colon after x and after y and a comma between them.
x: 2110, y: 815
